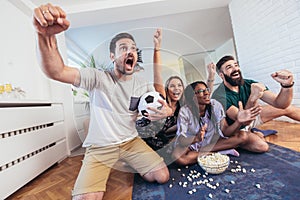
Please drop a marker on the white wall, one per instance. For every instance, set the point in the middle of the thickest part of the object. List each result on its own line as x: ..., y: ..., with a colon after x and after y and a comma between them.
x: 195, y: 64
x: 18, y: 63
x: 267, y: 36
x: 227, y: 48
x: 61, y: 92
x: 19, y: 66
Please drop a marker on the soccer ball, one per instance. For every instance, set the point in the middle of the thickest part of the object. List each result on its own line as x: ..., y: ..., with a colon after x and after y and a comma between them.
x: 149, y: 99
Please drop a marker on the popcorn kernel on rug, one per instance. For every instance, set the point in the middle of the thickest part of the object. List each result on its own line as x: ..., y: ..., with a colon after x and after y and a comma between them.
x: 272, y: 175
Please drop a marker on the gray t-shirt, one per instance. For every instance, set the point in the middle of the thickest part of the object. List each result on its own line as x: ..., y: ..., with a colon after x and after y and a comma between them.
x: 113, y: 106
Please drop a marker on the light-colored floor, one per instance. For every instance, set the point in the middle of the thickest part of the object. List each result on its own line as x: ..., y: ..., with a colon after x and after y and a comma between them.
x: 288, y: 134
x: 57, y: 182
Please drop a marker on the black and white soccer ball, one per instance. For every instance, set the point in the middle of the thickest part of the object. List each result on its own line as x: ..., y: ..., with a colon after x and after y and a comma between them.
x: 149, y: 99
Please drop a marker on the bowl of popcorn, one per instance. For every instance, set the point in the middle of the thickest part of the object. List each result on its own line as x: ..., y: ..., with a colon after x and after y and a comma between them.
x: 214, y: 163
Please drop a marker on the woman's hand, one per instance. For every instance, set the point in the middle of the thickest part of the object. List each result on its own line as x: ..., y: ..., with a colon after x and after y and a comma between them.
x: 157, y: 39
x: 201, y: 133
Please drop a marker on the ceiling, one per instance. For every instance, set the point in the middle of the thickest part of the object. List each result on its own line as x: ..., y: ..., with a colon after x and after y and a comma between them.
x: 188, y: 27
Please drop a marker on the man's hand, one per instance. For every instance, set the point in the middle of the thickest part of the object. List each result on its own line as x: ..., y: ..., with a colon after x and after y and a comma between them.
x: 157, y: 39
x: 257, y: 91
x: 245, y: 117
x: 50, y: 20
x: 164, y: 112
x: 284, y: 77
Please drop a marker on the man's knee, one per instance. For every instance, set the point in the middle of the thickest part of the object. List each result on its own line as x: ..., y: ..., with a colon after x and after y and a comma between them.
x: 163, y: 176
x: 260, y: 147
x: 263, y: 147
x: 159, y: 174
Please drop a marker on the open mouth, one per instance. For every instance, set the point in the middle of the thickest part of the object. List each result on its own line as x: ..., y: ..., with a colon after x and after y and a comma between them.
x: 235, y: 74
x: 176, y: 94
x: 129, y: 62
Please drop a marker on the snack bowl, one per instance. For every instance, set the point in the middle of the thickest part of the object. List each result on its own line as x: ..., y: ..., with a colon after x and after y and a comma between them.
x: 213, y: 163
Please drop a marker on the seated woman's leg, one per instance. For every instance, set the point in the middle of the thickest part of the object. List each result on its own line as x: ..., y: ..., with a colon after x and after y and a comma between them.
x: 184, y: 156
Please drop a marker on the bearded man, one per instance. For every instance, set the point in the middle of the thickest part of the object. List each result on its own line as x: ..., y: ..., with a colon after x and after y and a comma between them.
x: 235, y: 88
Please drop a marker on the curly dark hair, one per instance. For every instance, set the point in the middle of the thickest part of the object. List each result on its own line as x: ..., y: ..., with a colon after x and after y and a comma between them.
x: 189, y: 94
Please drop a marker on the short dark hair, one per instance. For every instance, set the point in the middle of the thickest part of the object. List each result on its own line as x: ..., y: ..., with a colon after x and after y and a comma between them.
x: 223, y: 60
x: 112, y: 45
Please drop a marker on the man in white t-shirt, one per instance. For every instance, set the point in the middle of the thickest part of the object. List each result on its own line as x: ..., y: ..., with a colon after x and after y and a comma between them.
x: 113, y: 101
